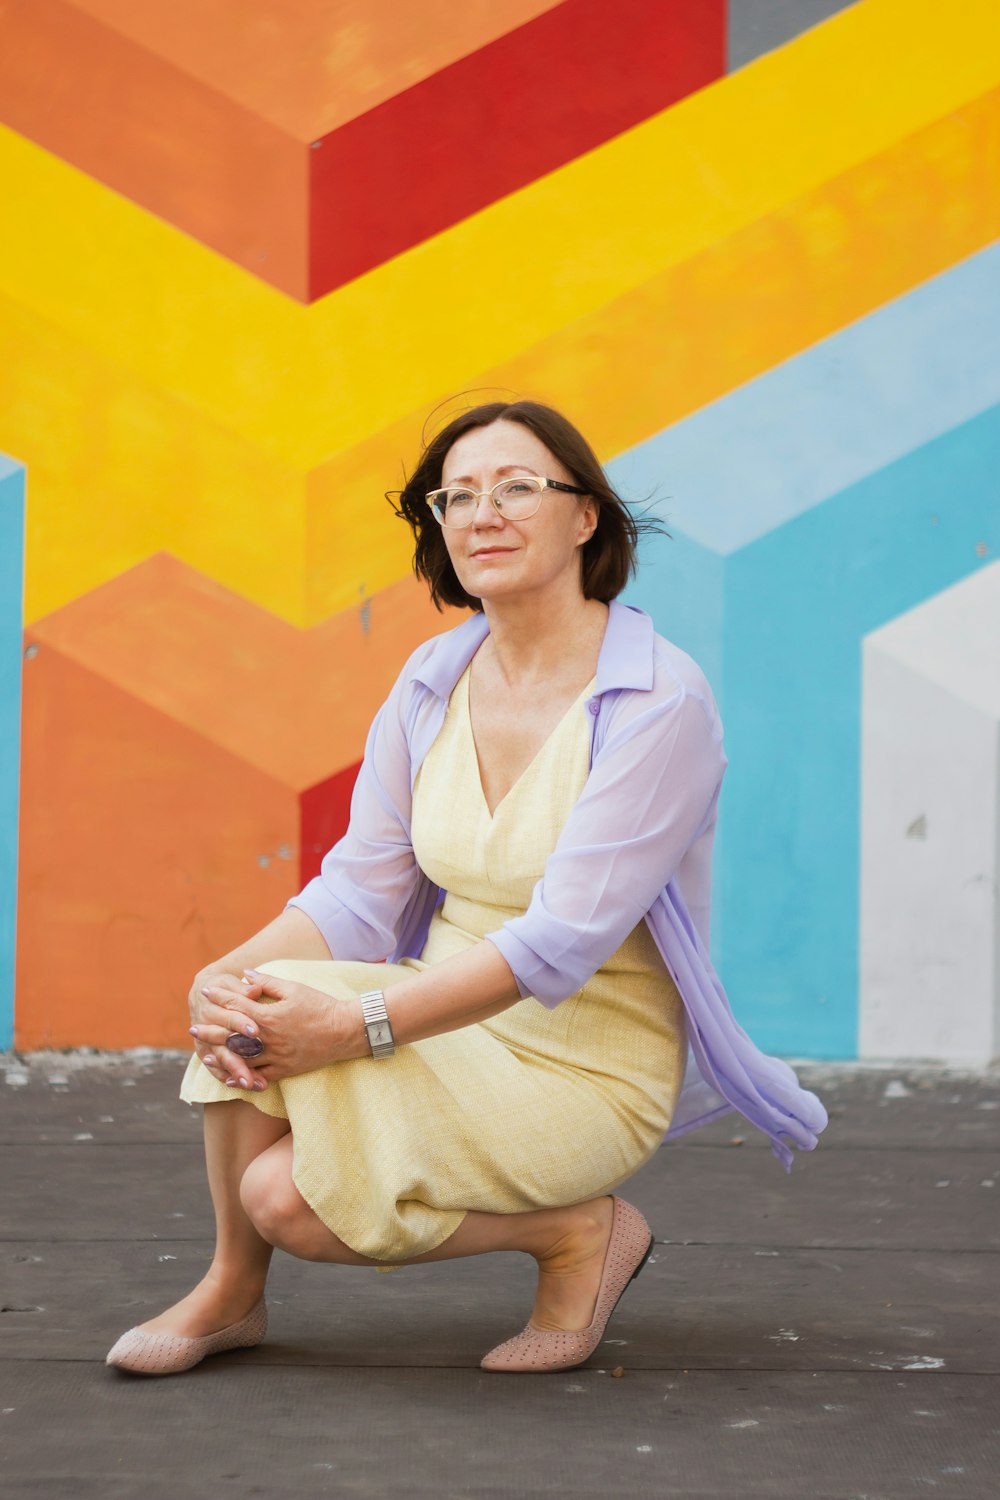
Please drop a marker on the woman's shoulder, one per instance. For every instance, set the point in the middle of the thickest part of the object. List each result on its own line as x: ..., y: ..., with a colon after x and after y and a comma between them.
x: 445, y: 649
x: 432, y: 668
x: 675, y: 671
x: 653, y: 668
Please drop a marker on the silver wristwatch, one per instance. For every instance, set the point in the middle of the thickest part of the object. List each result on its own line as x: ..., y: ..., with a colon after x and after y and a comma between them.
x: 380, y: 1037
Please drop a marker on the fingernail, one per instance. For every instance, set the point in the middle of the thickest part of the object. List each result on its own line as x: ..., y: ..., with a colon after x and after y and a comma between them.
x: 250, y: 1029
x: 230, y: 1083
x: 206, y: 991
x: 259, y: 1085
x: 252, y: 972
x: 192, y: 1031
x: 244, y: 1083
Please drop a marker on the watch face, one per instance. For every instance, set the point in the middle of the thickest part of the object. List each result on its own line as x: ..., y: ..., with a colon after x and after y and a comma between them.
x: 380, y: 1034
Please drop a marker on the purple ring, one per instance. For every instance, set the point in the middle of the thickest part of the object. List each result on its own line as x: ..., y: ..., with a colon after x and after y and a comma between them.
x: 244, y: 1046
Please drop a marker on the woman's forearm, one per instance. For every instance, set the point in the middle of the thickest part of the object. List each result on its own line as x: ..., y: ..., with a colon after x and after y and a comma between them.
x: 458, y: 991
x: 292, y: 934
x: 302, y: 1030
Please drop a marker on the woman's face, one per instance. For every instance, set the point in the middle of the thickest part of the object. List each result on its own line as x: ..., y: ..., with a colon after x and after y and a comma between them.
x: 494, y: 557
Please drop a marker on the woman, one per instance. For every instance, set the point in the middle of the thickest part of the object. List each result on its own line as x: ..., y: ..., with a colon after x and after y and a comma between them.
x: 530, y: 846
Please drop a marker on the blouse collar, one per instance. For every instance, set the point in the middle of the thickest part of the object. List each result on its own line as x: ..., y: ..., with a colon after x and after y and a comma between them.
x: 625, y: 660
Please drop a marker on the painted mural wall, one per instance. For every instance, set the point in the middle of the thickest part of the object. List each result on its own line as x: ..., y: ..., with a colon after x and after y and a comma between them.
x: 752, y: 249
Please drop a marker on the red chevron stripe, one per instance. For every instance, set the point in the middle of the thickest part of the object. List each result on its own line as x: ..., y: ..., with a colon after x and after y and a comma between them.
x: 307, y: 220
x: 492, y: 122
x: 324, y: 813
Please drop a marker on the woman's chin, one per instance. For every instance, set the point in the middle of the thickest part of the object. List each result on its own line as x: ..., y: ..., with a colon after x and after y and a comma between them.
x: 490, y: 582
x: 493, y: 591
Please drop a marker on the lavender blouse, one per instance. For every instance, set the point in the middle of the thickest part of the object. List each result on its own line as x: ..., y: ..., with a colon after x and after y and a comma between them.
x: 636, y: 845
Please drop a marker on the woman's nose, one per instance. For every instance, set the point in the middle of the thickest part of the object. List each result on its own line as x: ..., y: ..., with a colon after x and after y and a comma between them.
x: 486, y: 510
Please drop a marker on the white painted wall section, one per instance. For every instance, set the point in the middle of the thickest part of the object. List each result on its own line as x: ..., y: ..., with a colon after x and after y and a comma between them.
x: 930, y: 829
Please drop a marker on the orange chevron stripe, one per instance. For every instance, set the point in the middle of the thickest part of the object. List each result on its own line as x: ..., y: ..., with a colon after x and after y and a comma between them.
x: 190, y: 749
x: 164, y: 118
x: 302, y: 383
x: 775, y: 287
x: 219, y: 664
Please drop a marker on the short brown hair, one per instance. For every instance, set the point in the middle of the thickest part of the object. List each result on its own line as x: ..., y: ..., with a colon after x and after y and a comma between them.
x: 609, y: 556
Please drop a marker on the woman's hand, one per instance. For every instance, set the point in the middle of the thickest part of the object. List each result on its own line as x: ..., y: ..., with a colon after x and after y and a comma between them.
x: 301, y: 1028
x: 208, y: 1016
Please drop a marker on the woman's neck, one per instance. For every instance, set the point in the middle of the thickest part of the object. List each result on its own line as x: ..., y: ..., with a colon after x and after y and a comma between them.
x: 536, y: 642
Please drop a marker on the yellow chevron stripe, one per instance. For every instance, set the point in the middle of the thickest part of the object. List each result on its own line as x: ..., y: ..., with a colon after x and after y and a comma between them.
x: 303, y: 384
x: 169, y: 478
x: 118, y: 470
x: 685, y: 338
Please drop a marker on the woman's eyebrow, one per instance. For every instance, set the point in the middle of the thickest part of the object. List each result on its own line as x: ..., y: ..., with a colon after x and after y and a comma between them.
x: 503, y: 469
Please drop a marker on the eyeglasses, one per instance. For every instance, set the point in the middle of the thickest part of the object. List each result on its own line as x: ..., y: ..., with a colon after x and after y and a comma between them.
x: 516, y: 499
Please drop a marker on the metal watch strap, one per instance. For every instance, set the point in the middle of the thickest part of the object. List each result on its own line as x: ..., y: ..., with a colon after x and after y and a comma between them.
x: 380, y: 1037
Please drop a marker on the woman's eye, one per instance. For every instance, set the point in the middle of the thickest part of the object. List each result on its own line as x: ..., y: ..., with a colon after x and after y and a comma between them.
x: 460, y: 497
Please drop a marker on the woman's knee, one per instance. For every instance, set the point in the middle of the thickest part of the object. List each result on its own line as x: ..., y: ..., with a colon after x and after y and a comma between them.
x: 271, y: 1201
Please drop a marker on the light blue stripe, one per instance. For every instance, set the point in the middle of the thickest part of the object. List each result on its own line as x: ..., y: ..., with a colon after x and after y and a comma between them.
x: 813, y: 426
x: 11, y: 620
x: 681, y: 584
x: 798, y: 604
x: 808, y: 508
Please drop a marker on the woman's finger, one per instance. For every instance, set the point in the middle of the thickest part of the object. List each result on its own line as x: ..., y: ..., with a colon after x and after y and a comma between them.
x: 236, y: 1071
x: 214, y: 1036
x: 228, y: 1018
x: 264, y: 989
x: 255, y: 1010
x: 226, y: 985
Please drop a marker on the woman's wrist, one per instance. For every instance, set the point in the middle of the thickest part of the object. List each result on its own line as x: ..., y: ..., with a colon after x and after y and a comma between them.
x: 348, y: 1036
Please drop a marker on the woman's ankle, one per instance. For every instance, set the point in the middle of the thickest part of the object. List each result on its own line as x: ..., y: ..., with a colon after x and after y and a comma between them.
x: 582, y: 1235
x: 207, y: 1308
x: 233, y: 1278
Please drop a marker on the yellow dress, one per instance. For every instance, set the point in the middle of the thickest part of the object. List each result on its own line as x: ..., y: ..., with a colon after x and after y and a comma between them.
x: 534, y: 1108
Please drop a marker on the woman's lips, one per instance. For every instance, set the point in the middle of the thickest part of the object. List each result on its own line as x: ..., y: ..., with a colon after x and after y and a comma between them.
x: 492, y: 552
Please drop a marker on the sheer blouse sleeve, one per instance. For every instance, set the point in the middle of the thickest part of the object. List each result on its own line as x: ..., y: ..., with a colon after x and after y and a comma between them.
x: 651, y: 791
x: 369, y: 882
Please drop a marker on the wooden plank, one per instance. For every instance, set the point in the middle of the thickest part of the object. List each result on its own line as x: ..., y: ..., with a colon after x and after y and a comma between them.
x: 53, y: 1096
x: 880, y: 1106
x: 882, y: 1199
x: 927, y: 1199
x: 751, y: 1368
x: 239, y: 1429
x: 694, y: 1307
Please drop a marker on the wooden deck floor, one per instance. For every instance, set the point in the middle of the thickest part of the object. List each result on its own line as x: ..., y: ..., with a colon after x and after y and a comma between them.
x: 833, y: 1334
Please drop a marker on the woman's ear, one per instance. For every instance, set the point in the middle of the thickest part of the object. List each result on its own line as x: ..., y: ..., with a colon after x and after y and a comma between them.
x: 588, y: 519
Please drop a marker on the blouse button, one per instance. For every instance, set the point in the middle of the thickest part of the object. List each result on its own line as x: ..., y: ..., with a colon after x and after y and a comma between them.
x: 594, y: 705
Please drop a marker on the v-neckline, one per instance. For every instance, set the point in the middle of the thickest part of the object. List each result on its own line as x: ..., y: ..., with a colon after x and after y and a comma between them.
x: 467, y: 679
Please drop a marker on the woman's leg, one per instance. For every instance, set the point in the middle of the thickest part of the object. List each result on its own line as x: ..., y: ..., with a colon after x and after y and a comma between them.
x: 235, y: 1135
x: 568, y: 1244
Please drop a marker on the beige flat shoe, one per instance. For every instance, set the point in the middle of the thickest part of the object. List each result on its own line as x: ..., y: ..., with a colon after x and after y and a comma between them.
x: 536, y: 1349
x: 144, y: 1353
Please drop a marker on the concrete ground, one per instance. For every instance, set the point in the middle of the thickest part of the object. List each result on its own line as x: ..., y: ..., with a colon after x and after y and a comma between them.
x: 832, y: 1334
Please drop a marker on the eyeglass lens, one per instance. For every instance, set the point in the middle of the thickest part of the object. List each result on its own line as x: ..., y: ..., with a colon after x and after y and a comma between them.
x: 515, y: 498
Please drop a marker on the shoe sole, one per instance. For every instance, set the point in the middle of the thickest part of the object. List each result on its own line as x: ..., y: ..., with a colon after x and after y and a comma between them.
x: 649, y: 1251
x: 561, y: 1369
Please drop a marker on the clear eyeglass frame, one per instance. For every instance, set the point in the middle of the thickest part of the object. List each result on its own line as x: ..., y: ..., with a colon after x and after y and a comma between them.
x: 516, y: 499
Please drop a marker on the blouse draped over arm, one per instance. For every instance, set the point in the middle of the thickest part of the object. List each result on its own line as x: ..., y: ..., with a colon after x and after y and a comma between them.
x: 637, y: 844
